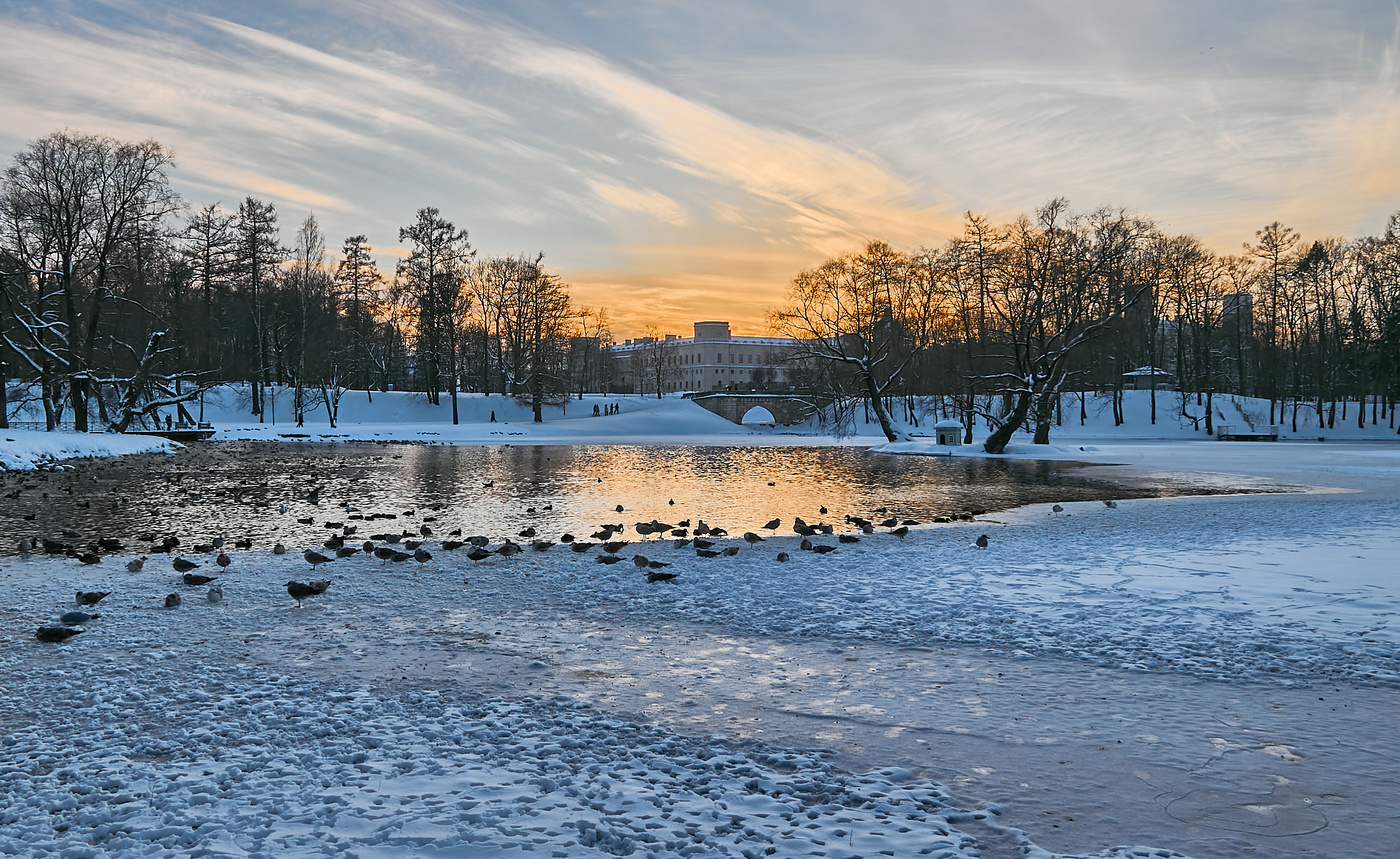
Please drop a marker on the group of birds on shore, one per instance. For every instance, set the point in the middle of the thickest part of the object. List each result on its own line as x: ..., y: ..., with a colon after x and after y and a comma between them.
x: 703, y: 538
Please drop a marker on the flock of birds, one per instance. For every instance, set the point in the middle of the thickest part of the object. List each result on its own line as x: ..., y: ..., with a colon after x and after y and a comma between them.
x: 706, y: 540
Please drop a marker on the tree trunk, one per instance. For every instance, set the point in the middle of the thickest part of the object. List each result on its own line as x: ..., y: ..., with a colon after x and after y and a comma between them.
x: 881, y: 414
x: 996, y: 442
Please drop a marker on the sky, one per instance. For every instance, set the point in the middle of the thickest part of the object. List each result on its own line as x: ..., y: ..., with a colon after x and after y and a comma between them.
x: 679, y: 161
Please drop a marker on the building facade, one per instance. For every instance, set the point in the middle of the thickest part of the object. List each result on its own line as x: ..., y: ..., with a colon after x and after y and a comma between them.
x: 712, y: 359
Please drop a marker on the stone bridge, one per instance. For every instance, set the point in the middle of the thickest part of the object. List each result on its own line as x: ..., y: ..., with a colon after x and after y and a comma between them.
x: 785, y: 410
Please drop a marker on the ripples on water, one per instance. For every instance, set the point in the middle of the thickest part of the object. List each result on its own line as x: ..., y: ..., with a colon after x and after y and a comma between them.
x: 235, y: 489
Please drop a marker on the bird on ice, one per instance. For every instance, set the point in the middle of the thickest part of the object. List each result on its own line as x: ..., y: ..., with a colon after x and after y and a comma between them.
x: 195, y: 579
x: 183, y: 566
x: 982, y: 541
x: 1110, y: 504
x: 216, y: 593
x: 91, y: 597
x: 135, y: 565
x: 172, y: 600
x: 1057, y: 509
x: 55, y: 634
x: 314, y: 558
x: 75, y: 618
x: 301, y: 590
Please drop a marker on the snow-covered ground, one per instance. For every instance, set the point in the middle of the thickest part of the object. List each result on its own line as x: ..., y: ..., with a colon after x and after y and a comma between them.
x: 1218, y: 676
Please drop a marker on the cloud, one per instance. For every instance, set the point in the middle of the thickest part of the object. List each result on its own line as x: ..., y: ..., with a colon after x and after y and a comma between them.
x: 649, y: 202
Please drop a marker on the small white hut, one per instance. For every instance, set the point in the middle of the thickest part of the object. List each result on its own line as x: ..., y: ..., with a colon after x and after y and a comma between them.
x: 949, y: 432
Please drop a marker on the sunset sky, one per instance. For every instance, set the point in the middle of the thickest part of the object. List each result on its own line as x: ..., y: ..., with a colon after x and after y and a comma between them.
x: 678, y: 161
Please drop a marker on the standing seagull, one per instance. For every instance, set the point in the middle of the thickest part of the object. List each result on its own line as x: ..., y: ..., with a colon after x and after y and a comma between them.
x: 982, y: 541
x: 135, y: 565
x: 313, y: 558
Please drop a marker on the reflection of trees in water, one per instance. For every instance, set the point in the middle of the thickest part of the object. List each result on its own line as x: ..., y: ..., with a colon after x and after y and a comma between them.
x: 727, y: 486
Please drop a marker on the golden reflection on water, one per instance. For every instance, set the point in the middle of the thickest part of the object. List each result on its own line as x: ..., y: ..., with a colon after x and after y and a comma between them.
x: 237, y: 489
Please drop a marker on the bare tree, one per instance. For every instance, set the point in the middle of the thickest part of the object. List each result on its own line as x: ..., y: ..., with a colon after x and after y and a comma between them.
x: 73, y: 204
x: 864, y: 312
x: 357, y: 280
x: 259, y: 253
x: 434, y: 274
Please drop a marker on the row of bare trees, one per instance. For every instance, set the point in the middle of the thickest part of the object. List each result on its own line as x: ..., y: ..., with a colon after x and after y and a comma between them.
x: 1003, y: 320
x: 117, y: 301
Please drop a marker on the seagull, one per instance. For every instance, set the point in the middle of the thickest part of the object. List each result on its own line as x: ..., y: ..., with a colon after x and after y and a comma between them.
x: 848, y: 538
x: 507, y: 549
x: 476, y: 554
x: 640, y: 561
x: 901, y: 531
x: 773, y: 525
x: 1110, y: 504
x: 75, y: 618
x: 223, y: 560
x: 195, y: 579
x: 654, y: 577
x: 314, y: 558
x: 422, y: 556
x: 91, y: 597
x: 299, y: 591
x: 1057, y: 509
x: 982, y: 541
x: 751, y: 538
x: 216, y: 593
x: 172, y: 600
x: 783, y: 557
x: 822, y: 550
x: 135, y: 565
x: 183, y: 566
x: 279, y: 549
x: 55, y: 634
x: 608, y: 559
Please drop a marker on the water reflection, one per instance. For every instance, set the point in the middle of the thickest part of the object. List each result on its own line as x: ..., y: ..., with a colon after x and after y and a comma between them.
x: 237, y: 489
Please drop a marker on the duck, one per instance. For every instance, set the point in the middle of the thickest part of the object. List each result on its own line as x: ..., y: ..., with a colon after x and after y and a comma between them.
x: 172, y: 600
x: 91, y: 597
x: 77, y: 618
x: 982, y: 541
x: 195, y: 579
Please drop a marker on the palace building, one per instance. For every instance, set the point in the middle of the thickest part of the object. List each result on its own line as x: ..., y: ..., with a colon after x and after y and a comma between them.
x: 710, y: 360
